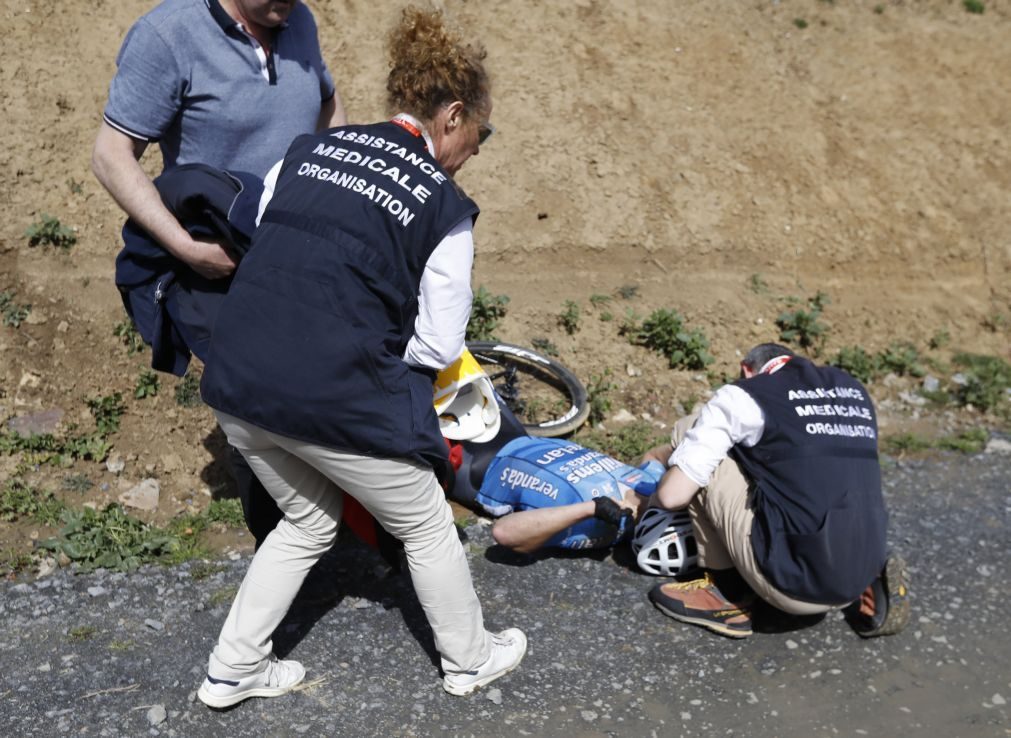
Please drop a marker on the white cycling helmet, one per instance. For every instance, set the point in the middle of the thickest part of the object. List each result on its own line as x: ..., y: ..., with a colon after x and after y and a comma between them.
x: 664, y: 542
x: 465, y: 401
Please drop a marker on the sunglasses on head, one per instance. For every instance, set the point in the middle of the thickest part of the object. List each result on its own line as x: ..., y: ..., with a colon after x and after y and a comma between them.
x: 484, y: 132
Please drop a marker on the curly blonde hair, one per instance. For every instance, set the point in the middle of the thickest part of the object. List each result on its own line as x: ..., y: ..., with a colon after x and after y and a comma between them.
x: 430, y: 65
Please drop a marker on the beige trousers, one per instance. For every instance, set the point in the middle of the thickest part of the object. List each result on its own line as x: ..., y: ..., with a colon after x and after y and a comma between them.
x: 306, y: 481
x: 722, y: 516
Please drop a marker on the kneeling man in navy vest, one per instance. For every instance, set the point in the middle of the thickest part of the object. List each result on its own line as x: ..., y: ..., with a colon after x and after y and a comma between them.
x: 780, y: 473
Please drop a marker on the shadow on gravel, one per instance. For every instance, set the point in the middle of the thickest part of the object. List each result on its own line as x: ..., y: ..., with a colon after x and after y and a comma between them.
x: 353, y: 575
x: 501, y: 555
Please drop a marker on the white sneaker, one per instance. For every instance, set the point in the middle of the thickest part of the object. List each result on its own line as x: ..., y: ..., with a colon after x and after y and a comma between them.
x: 507, y: 650
x: 278, y: 678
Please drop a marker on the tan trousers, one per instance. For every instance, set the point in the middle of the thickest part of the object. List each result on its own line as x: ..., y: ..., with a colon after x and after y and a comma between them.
x: 306, y: 481
x: 722, y: 516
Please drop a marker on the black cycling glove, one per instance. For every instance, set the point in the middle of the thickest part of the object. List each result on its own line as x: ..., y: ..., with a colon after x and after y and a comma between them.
x: 611, y: 512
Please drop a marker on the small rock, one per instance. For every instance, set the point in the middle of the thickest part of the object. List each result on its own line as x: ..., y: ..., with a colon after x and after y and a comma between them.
x: 144, y: 496
x: 791, y: 644
x: 911, y: 398
x: 44, y: 667
x: 96, y: 591
x: 30, y: 379
x: 960, y: 379
x: 623, y: 416
x: 171, y: 462
x: 632, y: 370
x: 63, y: 326
x: 156, y: 715
x: 115, y: 464
x: 998, y: 446
x: 998, y: 700
x: 588, y: 715
x: 154, y: 624
x: 36, y: 424
x: 931, y: 383
x: 494, y: 695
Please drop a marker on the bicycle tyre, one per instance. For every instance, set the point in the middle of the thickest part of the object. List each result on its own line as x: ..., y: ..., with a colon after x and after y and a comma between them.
x: 522, y: 377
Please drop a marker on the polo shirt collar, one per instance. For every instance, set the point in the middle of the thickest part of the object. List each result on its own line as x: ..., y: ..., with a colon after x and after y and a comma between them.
x: 222, y: 17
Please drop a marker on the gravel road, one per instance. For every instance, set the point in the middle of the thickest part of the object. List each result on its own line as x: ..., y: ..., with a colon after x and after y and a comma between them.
x: 122, y: 654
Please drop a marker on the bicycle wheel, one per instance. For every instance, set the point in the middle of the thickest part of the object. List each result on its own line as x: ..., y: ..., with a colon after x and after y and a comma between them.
x: 543, y: 395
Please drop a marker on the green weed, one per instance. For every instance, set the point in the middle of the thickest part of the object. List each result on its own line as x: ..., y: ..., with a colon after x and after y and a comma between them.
x: 77, y: 483
x: 14, y: 562
x: 486, y: 312
x: 627, y: 443
x: 800, y: 23
x: 879, y: 9
x: 49, y: 231
x: 987, y: 381
x: 974, y: 6
x: 188, y: 391
x: 903, y: 359
x: 996, y: 322
x: 121, y: 645
x: 801, y: 326
x: 569, y: 317
x: 628, y: 291
x: 14, y: 314
x: 76, y: 187
x: 147, y: 384
x: 223, y: 596
x: 758, y: 285
x: 905, y: 443
x: 107, y: 412
x: 859, y: 363
x: 598, y: 390
x: 606, y: 316
x: 110, y: 539
x: 46, y: 448
x: 82, y: 633
x: 598, y: 301
x: 971, y: 441
x: 18, y: 499
x: 939, y: 340
x: 544, y: 346
x: 664, y: 331
x: 203, y: 569
x: 126, y: 331
x: 227, y: 511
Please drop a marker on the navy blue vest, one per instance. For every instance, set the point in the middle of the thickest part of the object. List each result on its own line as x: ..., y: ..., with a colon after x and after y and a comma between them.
x: 310, y: 338
x: 819, y: 529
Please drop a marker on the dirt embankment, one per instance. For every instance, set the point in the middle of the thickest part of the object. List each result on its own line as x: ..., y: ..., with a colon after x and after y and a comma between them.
x: 715, y: 155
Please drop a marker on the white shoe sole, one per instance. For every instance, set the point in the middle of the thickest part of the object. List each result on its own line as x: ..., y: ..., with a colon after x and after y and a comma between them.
x: 233, y: 699
x: 462, y: 690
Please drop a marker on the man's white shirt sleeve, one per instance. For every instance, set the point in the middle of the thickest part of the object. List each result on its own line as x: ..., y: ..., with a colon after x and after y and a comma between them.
x: 444, y: 301
x: 731, y: 417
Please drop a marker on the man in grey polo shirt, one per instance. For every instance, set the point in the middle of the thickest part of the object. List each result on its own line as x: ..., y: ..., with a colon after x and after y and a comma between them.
x: 228, y: 83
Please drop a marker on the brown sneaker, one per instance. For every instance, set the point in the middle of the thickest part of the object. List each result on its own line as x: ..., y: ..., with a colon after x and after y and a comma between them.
x: 699, y: 602
x: 883, y: 608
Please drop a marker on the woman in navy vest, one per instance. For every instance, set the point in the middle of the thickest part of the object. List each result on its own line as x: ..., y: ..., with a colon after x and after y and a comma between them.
x: 355, y: 292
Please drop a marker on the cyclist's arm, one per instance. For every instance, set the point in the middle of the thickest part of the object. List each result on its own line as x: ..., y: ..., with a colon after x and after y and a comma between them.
x: 527, y: 530
x: 115, y: 164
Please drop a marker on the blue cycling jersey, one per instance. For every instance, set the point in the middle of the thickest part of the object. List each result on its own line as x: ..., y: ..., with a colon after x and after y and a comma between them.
x: 531, y: 473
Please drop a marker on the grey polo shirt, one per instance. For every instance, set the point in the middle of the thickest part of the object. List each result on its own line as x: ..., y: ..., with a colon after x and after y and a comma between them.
x: 190, y: 79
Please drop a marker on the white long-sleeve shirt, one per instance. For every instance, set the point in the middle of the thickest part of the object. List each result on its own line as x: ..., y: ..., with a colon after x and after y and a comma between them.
x: 444, y: 298
x: 730, y: 417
